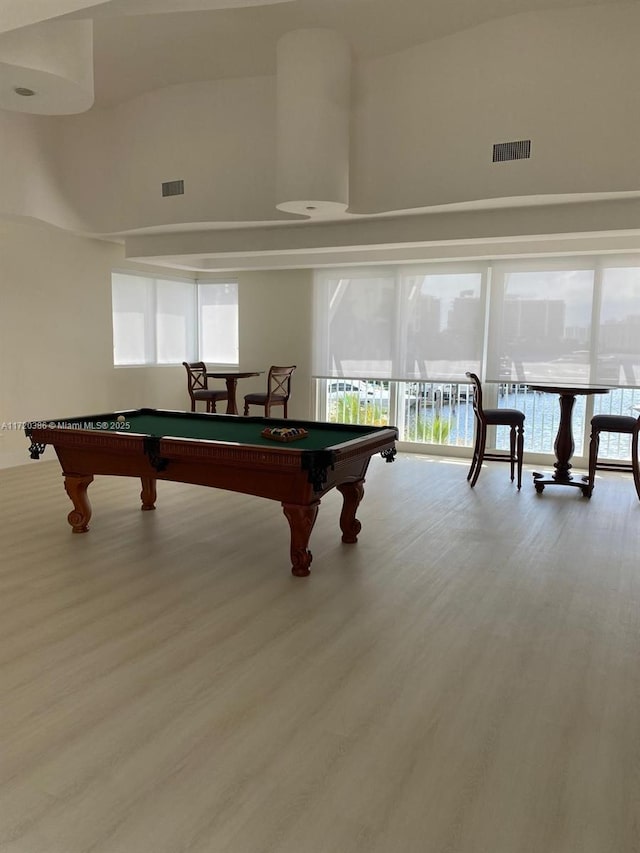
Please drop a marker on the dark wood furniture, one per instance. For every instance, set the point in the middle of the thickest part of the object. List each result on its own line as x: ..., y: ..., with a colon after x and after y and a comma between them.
x: 198, y: 387
x: 231, y: 377
x: 564, y: 444
x: 278, y: 391
x: 625, y: 424
x: 513, y: 418
x: 222, y: 451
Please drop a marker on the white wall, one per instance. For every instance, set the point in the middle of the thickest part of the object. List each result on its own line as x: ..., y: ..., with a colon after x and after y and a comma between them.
x: 55, y: 327
x: 56, y: 342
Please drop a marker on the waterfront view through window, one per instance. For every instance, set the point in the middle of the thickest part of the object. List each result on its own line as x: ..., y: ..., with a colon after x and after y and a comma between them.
x: 393, y: 345
x: 442, y: 415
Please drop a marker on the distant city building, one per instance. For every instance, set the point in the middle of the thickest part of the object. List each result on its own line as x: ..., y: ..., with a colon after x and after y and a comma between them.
x: 534, y: 319
x: 620, y: 335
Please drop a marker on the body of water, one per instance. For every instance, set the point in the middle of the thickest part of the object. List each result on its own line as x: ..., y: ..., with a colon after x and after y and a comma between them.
x: 542, y: 417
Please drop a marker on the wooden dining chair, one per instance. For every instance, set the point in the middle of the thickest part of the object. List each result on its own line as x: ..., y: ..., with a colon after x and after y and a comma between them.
x: 513, y: 418
x: 199, y: 390
x: 624, y: 424
x: 277, y: 394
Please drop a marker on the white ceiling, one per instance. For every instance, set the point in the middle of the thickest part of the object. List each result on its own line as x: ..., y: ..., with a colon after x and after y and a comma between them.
x: 141, y: 45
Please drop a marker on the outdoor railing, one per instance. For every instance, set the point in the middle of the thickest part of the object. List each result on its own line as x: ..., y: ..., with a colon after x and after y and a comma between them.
x: 435, y: 413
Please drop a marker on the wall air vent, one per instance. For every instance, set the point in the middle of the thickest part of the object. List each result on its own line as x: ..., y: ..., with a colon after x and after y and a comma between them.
x: 520, y: 150
x: 173, y: 188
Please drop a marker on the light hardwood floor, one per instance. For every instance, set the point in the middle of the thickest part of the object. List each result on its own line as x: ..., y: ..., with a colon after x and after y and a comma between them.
x: 465, y: 679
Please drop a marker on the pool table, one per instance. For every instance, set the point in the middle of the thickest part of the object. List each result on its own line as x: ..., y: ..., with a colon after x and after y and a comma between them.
x: 225, y: 451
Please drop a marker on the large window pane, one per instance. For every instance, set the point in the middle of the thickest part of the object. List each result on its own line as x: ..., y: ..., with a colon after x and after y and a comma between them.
x: 618, y: 356
x: 175, y: 320
x: 541, y: 326
x: 410, y: 323
x: 133, y: 307
x: 355, y: 325
x: 218, y: 322
x: 443, y: 326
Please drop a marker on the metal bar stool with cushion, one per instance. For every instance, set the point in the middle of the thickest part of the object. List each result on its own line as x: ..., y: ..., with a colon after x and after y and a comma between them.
x: 198, y: 387
x: 625, y: 424
x: 512, y: 418
x: 278, y: 391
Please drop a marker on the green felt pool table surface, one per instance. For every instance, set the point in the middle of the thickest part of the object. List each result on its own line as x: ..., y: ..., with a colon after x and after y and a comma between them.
x: 228, y: 428
x: 223, y: 451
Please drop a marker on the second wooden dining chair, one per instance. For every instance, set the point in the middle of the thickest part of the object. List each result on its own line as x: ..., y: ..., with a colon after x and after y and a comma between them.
x: 198, y: 388
x: 277, y: 394
x: 624, y: 424
x: 513, y: 418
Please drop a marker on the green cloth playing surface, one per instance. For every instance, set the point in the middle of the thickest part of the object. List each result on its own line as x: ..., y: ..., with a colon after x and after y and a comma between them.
x: 238, y: 430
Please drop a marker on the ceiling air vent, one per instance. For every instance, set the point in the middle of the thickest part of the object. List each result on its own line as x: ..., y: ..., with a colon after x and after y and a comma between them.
x: 173, y: 188
x: 520, y: 150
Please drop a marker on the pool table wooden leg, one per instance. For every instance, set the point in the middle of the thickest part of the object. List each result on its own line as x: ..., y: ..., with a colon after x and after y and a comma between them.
x: 301, y: 520
x: 76, y: 486
x: 352, y: 494
x: 148, y: 493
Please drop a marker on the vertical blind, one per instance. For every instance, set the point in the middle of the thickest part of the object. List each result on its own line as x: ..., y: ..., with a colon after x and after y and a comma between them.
x: 568, y: 320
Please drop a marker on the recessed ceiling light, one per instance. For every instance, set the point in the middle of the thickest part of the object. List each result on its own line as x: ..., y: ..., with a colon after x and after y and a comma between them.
x: 22, y: 90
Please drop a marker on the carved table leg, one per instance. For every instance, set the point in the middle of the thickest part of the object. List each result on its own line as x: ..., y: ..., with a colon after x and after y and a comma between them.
x: 76, y: 487
x: 148, y: 493
x: 352, y: 495
x: 564, y: 445
x: 301, y: 520
x: 232, y: 384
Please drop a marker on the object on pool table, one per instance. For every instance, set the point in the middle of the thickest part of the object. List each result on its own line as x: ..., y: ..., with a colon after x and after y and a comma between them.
x: 284, y: 433
x: 121, y: 419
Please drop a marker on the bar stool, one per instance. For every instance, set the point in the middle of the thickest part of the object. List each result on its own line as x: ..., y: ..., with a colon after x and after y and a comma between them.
x: 624, y: 424
x: 512, y: 418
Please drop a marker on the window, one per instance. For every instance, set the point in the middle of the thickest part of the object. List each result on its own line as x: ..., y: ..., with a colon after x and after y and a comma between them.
x: 413, y: 332
x: 618, y: 330
x: 441, y: 332
x: 167, y: 321
x: 573, y: 320
x: 540, y: 322
x: 175, y: 330
x: 218, y: 323
x: 133, y: 310
x: 408, y: 323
